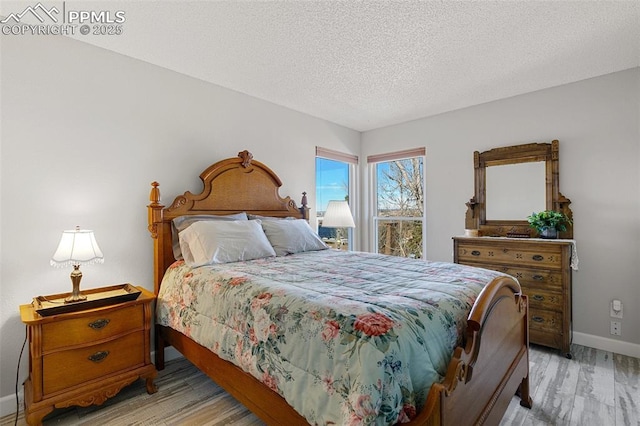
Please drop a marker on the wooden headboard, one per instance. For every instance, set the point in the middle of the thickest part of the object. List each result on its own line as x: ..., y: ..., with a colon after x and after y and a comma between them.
x: 234, y: 185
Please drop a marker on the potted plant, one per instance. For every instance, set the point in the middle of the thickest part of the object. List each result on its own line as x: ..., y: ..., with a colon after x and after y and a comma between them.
x: 548, y: 223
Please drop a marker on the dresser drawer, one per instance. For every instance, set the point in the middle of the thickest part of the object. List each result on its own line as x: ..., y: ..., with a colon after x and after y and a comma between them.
x: 548, y: 257
x: 91, y: 328
x: 541, y: 296
x: 64, y: 369
x: 529, y: 277
x: 547, y: 338
x: 547, y: 321
x: 536, y: 278
x: 543, y: 299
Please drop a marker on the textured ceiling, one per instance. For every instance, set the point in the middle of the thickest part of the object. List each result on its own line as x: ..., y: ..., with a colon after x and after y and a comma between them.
x: 371, y: 64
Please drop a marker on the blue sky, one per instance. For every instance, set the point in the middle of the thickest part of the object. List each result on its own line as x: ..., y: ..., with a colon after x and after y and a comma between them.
x: 332, y: 179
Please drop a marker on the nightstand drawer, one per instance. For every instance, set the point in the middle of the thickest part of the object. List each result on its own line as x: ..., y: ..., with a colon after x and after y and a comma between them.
x: 65, y: 369
x: 550, y: 257
x: 91, y: 328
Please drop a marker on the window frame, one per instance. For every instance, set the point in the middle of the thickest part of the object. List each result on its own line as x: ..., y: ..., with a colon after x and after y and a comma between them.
x: 373, y: 161
x: 352, y: 162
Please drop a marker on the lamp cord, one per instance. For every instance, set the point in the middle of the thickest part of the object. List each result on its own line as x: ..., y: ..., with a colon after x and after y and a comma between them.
x: 18, y: 376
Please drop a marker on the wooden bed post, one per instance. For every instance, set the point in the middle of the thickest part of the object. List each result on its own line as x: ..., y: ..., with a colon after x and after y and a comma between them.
x: 155, y: 210
x: 304, y: 209
x: 155, y: 228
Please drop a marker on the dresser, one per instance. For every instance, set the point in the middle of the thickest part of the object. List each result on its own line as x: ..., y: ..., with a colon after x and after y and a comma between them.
x: 84, y: 357
x: 543, y: 268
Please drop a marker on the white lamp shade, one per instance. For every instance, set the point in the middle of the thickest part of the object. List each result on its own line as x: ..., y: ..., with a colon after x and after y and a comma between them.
x: 338, y: 215
x: 77, y: 247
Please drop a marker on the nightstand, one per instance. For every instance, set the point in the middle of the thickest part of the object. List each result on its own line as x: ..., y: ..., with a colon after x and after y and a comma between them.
x: 84, y: 357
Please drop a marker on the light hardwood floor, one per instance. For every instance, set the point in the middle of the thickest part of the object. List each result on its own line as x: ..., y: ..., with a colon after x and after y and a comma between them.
x: 595, y: 388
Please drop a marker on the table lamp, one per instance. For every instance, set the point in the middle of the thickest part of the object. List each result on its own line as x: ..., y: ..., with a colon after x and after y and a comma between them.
x: 338, y: 215
x: 77, y: 247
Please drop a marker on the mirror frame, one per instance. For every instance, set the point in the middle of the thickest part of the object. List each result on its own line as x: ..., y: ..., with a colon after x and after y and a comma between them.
x: 476, y: 207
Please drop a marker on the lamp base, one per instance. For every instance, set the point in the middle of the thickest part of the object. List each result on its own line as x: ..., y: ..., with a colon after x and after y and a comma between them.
x: 75, y: 296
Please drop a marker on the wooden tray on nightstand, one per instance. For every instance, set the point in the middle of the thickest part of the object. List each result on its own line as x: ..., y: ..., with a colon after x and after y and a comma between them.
x: 54, y: 304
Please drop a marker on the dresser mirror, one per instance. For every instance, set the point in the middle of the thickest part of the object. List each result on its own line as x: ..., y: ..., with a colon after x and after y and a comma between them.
x: 511, y: 183
x: 515, y: 190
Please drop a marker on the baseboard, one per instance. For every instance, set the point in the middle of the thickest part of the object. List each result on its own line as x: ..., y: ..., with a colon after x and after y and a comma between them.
x: 170, y: 353
x: 8, y: 403
x: 606, y: 344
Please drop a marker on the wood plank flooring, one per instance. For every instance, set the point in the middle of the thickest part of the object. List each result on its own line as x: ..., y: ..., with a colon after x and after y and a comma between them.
x: 594, y: 388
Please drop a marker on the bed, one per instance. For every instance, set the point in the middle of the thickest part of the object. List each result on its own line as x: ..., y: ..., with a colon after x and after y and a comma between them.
x: 485, y: 328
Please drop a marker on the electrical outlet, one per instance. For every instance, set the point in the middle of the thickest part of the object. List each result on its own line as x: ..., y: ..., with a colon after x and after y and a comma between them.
x: 616, y: 328
x: 616, y: 309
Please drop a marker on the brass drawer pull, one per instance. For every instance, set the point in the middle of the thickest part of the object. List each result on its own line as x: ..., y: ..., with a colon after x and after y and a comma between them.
x: 98, y: 324
x: 538, y: 257
x: 98, y: 356
x: 537, y: 319
x: 475, y: 253
x: 538, y: 297
x: 538, y: 277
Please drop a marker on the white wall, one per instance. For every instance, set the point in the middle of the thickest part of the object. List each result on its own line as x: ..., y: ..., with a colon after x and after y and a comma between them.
x: 84, y: 133
x: 597, y: 124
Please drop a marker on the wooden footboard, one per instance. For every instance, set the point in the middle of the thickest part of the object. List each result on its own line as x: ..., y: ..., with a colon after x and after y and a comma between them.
x: 481, y: 378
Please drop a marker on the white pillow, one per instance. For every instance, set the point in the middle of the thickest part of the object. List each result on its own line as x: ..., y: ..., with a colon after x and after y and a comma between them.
x: 181, y: 223
x: 292, y: 236
x: 208, y: 242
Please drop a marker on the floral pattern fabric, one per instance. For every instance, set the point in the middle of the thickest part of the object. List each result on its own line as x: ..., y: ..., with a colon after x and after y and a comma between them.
x: 345, y: 337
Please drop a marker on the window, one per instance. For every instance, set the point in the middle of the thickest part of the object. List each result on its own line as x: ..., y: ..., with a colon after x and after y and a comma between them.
x: 399, y: 203
x: 334, y: 181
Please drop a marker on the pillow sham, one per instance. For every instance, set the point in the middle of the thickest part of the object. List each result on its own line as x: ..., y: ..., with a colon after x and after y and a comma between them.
x: 292, y: 236
x: 208, y: 242
x: 181, y: 223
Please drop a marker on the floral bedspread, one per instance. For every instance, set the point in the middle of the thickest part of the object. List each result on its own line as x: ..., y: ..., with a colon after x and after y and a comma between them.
x: 345, y: 337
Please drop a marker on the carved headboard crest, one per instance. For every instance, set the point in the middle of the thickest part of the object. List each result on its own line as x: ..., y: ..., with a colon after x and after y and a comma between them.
x: 246, y: 157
